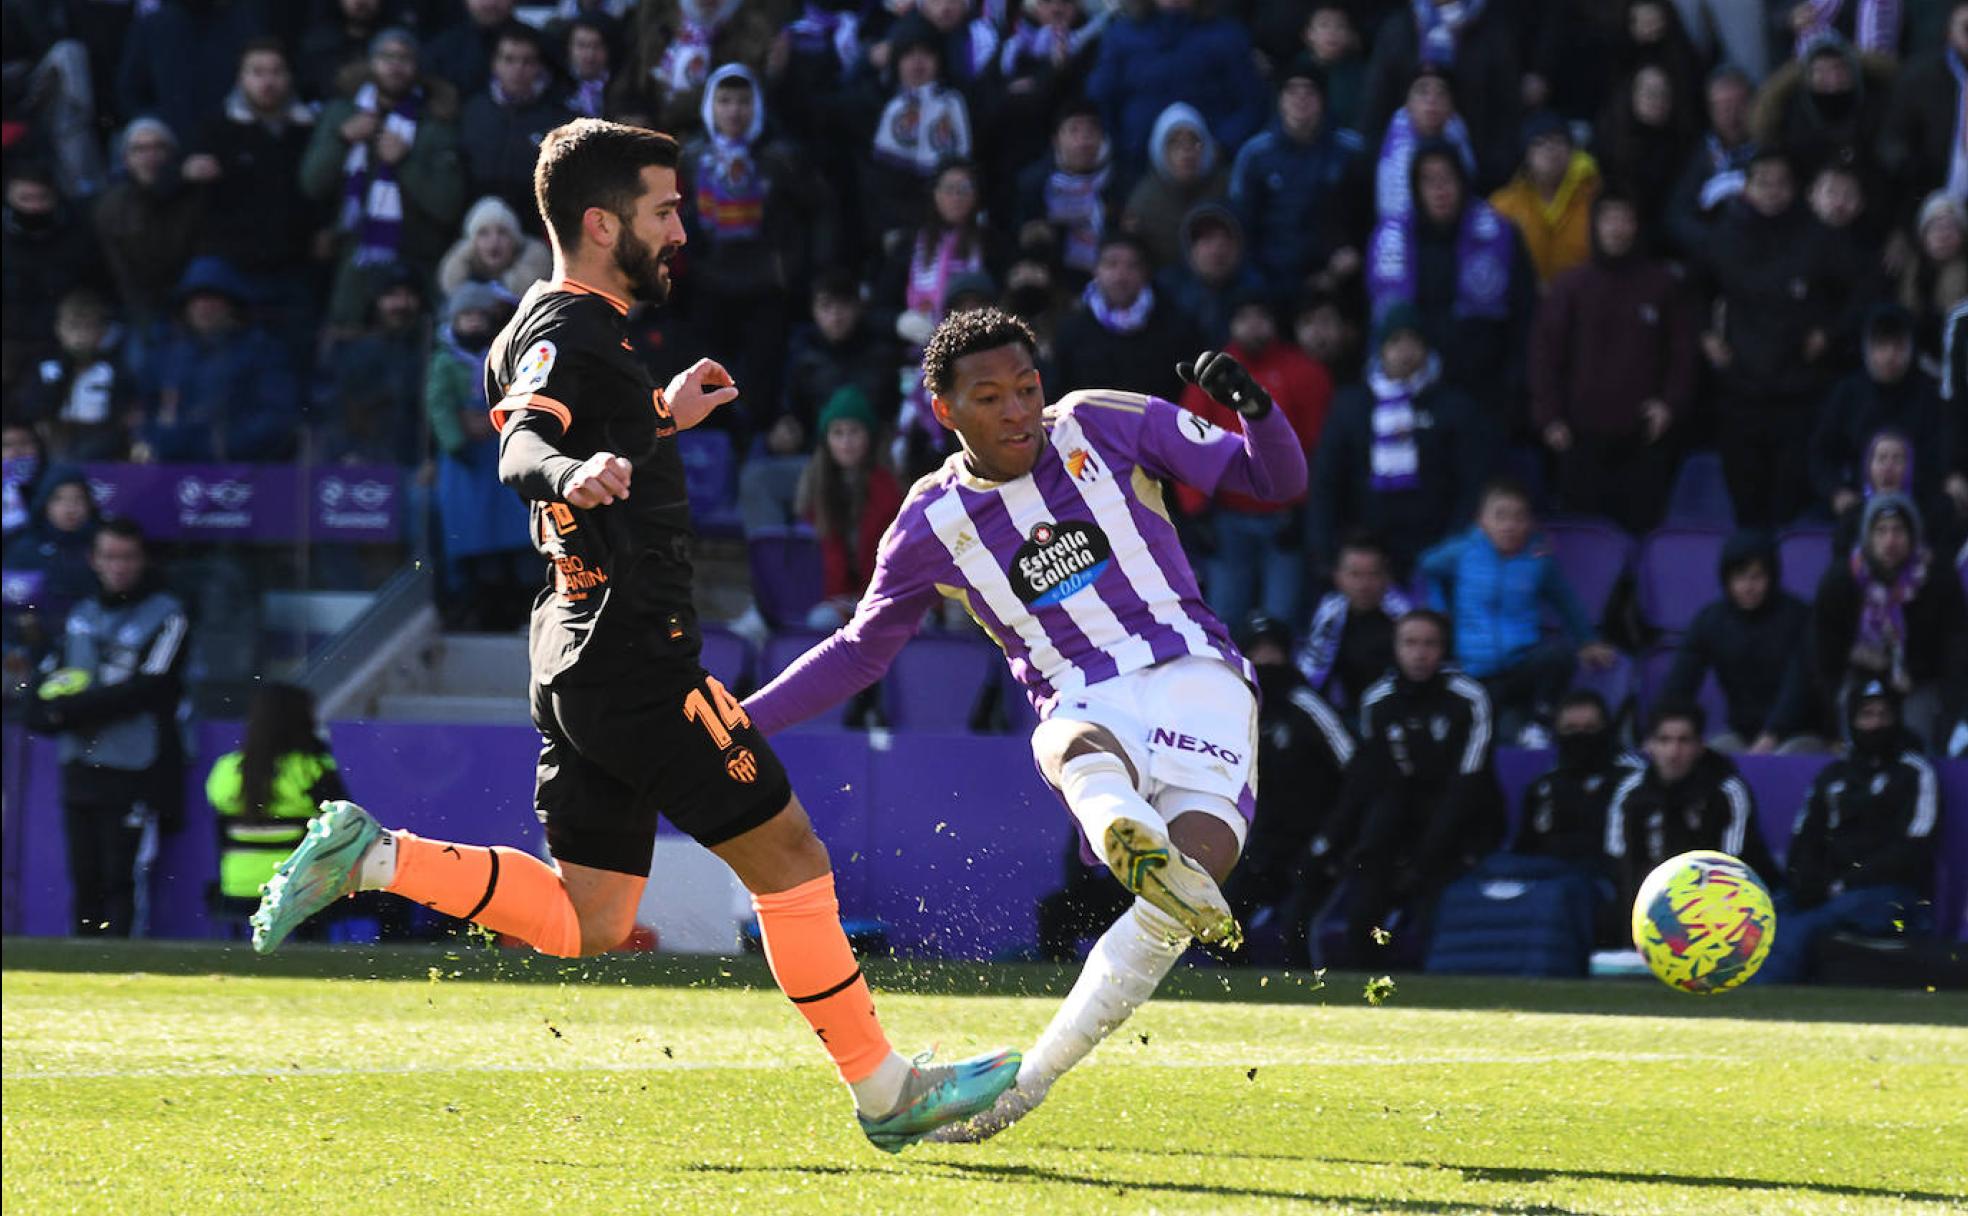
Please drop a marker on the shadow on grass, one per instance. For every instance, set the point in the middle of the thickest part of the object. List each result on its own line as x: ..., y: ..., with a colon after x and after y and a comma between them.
x: 1521, y: 1174
x: 471, y: 960
x: 1119, y: 1187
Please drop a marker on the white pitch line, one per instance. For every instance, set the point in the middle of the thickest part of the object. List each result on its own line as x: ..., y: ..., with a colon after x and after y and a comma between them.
x: 186, y: 1074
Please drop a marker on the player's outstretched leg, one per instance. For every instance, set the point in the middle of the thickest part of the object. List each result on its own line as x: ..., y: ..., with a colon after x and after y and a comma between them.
x: 1089, y: 768
x: 897, y: 1102
x: 346, y: 850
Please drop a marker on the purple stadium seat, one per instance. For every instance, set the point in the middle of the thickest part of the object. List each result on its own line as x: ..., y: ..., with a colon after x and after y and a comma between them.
x: 935, y: 681
x: 709, y: 473
x: 1806, y: 555
x: 786, y: 575
x: 1700, y: 497
x: 1654, y: 671
x: 1614, y: 684
x: 728, y: 657
x: 1678, y: 575
x: 1593, y: 553
x: 781, y: 649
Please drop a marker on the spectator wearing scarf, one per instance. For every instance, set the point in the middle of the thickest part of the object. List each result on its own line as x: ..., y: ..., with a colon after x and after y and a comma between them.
x: 1719, y: 164
x: 389, y: 153
x: 1122, y: 337
x: 1480, y: 44
x: 1890, y: 612
x: 1070, y: 191
x: 1428, y: 116
x: 1466, y: 271
x: 925, y: 122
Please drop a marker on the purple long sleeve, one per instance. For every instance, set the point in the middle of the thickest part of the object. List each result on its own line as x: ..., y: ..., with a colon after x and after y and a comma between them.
x: 1268, y: 462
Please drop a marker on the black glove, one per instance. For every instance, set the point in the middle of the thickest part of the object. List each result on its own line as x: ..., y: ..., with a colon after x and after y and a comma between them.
x: 1225, y: 379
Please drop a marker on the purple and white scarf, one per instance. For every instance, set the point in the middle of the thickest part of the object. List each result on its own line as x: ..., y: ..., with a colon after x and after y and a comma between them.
x: 818, y: 30
x: 589, y: 96
x: 1882, y: 631
x: 687, y: 60
x: 1957, y: 178
x: 1483, y: 257
x: 1728, y: 170
x: 1394, y: 458
x: 1877, y: 31
x: 1320, y: 650
x: 1438, y: 25
x: 1073, y: 204
x: 372, y: 202
x: 930, y: 272
x: 1119, y: 320
x: 1393, y: 191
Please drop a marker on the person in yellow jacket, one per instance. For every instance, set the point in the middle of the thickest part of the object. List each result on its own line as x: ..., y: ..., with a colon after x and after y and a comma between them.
x: 1550, y: 199
x: 265, y: 791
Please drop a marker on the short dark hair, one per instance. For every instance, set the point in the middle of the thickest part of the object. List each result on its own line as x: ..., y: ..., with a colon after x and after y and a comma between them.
x: 967, y: 333
x: 265, y: 44
x: 1504, y: 487
x: 1678, y: 709
x: 1131, y: 241
x: 1363, y: 541
x: 123, y: 527
x: 836, y: 283
x: 591, y: 163
x: 1428, y: 616
x: 519, y: 31
x: 1584, y: 697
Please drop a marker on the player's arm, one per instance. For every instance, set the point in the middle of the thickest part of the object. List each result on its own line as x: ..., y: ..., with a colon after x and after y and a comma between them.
x: 1266, y: 461
x: 534, y: 468
x: 855, y: 655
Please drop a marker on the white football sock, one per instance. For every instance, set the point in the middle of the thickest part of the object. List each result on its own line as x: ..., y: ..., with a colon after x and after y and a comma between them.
x: 880, y: 1092
x: 377, y: 869
x: 1098, y: 791
x: 1125, y: 968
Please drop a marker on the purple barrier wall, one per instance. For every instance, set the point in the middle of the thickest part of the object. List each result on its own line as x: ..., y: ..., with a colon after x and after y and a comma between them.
x: 949, y: 840
x: 253, y: 502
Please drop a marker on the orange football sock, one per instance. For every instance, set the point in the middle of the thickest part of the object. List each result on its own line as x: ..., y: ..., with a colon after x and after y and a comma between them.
x: 808, y: 952
x: 503, y: 889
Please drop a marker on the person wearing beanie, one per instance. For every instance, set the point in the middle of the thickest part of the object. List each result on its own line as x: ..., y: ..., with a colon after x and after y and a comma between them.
x: 1936, y: 278
x: 149, y: 220
x: 1214, y: 271
x: 494, y: 251
x: 1402, y: 454
x: 1611, y: 369
x: 1290, y: 186
x: 850, y: 497
x: 1550, y: 198
x: 1753, y: 639
x: 1888, y: 393
x: 1861, y: 859
x: 1890, y: 611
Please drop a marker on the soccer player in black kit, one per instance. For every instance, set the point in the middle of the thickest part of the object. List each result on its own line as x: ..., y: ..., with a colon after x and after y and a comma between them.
x: 630, y: 723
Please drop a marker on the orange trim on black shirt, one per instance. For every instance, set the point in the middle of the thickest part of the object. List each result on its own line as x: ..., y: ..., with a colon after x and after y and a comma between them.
x: 509, y: 406
x: 579, y: 288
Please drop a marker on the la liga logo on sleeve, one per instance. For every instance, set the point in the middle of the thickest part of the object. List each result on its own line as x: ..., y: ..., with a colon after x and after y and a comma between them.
x: 534, y: 368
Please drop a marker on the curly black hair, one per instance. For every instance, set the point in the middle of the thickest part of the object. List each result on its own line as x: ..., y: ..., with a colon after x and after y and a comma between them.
x: 966, y: 333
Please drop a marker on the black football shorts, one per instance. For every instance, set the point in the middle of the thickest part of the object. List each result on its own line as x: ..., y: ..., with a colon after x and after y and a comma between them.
x: 671, y: 742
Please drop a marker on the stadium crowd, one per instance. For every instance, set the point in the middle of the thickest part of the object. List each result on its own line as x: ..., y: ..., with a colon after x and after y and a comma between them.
x: 1497, y: 260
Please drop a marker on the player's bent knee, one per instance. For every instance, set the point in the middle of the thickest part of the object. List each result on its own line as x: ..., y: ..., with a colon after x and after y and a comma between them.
x: 1056, y: 741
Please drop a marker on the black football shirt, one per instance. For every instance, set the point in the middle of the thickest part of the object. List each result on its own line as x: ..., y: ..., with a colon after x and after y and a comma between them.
x: 620, y: 591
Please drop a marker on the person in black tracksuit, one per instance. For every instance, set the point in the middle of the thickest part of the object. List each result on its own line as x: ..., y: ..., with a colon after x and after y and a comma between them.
x: 1688, y: 797
x: 1303, y: 750
x: 1421, y: 803
x: 1564, y: 810
x: 1862, y: 853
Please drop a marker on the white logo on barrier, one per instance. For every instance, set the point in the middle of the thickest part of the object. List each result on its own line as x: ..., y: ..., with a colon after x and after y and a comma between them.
x: 217, y: 504
x: 369, y: 500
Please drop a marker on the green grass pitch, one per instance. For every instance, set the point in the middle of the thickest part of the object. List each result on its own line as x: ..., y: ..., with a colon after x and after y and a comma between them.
x: 184, y: 1079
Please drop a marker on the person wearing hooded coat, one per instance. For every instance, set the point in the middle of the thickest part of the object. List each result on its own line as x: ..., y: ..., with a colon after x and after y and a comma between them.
x: 1753, y: 639
x: 1892, y: 611
x: 1181, y: 177
x: 51, y: 555
x: 218, y: 388
x: 1862, y: 855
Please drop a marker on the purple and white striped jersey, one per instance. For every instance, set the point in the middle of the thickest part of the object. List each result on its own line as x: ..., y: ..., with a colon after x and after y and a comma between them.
x: 1074, y: 569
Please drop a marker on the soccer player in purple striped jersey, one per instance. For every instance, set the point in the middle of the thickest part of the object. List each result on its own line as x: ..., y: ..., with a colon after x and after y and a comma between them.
x: 1049, y: 527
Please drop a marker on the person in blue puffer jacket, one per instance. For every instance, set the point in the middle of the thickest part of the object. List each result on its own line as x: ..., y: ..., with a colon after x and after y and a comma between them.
x: 1494, y: 581
x: 1168, y: 51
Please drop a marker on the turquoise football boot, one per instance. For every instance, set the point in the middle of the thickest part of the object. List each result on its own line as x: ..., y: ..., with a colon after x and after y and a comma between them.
x: 320, y: 870
x: 940, y: 1094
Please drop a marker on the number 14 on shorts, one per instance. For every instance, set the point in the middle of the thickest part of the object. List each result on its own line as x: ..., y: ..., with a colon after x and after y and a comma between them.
x: 720, y: 714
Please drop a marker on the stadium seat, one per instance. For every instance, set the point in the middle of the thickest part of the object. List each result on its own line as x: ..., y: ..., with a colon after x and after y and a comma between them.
x: 1654, y: 671
x: 1806, y: 555
x: 1700, y: 495
x: 728, y: 657
x: 935, y: 682
x: 1677, y: 575
x: 1594, y: 554
x: 1614, y: 684
x: 787, y: 579
x: 709, y: 471
x: 781, y: 649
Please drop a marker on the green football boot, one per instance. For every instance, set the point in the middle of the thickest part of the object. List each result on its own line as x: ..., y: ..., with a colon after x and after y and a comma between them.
x: 936, y: 1095
x: 1149, y: 865
x: 320, y: 870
